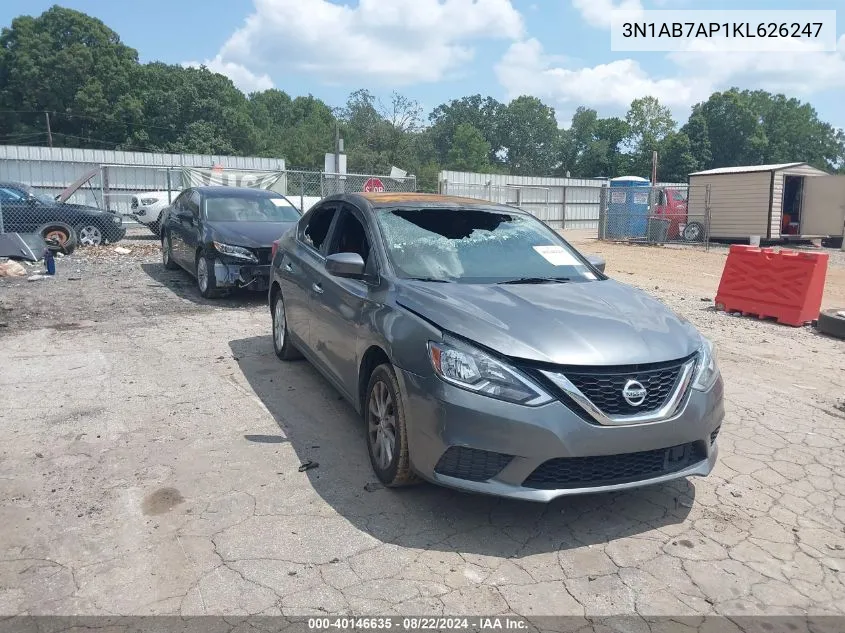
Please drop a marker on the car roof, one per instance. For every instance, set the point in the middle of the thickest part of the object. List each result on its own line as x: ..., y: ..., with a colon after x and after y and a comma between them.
x: 393, y: 200
x: 217, y: 191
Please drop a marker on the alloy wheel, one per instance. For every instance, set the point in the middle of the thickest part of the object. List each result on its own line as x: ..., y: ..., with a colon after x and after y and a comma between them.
x: 202, y: 274
x: 90, y: 236
x: 382, y: 424
x: 279, y: 323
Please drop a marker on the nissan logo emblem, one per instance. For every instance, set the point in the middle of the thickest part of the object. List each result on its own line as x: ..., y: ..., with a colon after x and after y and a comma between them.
x: 634, y: 393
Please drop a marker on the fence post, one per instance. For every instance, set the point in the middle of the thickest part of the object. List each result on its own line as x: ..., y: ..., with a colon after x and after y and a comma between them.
x: 706, y: 217
x: 169, y: 188
x: 562, y: 208
x: 103, y: 177
x: 2, y: 228
x: 490, y: 190
x: 603, y: 212
x: 302, y: 192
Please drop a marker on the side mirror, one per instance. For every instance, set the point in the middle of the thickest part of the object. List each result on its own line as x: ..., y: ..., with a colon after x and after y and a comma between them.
x: 597, y: 261
x: 31, y: 201
x: 348, y: 265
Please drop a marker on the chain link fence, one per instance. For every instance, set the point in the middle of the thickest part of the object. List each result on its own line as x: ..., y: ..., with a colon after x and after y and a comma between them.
x: 106, y: 200
x: 677, y: 214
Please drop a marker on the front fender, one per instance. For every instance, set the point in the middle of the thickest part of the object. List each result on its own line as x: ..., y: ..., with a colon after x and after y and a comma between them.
x: 404, y: 337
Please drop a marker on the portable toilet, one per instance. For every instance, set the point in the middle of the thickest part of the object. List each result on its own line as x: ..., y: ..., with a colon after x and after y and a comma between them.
x: 627, y: 209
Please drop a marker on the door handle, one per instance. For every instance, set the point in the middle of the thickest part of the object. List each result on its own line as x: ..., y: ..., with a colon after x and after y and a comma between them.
x: 288, y: 267
x: 317, y: 288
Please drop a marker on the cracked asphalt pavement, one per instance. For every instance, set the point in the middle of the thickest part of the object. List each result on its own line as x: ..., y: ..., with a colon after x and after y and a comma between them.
x: 151, y: 444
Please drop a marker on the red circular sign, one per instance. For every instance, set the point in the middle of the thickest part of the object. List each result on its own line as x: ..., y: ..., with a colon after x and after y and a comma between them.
x: 373, y: 184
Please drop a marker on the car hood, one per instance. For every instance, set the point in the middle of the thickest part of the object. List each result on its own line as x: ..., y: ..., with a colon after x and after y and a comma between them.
x: 81, y: 208
x: 593, y: 323
x: 248, y: 234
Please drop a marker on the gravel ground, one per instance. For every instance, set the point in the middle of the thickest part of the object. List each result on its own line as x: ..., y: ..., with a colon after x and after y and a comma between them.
x: 150, y: 445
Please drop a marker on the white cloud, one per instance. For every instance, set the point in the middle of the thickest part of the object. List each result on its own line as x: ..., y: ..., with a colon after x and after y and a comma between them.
x: 395, y: 42
x: 694, y: 75
x: 242, y: 77
x: 598, y: 12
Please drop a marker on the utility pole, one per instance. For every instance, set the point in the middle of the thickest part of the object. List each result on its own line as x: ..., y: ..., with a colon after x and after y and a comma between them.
x: 654, y: 168
x: 49, y: 131
x: 336, y: 147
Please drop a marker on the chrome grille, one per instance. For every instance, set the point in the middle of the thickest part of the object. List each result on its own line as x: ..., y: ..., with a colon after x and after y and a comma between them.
x: 604, y: 387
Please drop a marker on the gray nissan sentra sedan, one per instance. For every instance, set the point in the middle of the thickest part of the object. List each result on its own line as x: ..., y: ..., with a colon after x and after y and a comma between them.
x: 486, y: 354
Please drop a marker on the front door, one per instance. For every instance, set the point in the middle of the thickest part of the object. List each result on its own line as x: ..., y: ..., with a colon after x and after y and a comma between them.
x: 340, y: 303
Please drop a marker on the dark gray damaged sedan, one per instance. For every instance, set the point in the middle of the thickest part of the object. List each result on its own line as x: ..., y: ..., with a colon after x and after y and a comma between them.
x: 487, y: 354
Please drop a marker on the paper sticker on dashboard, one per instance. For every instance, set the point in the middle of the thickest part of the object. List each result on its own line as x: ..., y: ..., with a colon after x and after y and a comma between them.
x: 557, y: 255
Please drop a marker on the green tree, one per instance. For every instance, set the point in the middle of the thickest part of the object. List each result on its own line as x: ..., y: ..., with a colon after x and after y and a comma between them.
x: 483, y: 113
x: 469, y: 151
x: 649, y: 123
x: 530, y: 137
x: 675, y: 158
x: 698, y: 134
x: 64, y: 61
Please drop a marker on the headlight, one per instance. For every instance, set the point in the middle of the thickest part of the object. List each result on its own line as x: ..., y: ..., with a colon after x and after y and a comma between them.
x: 708, y: 371
x: 148, y: 201
x: 472, y: 369
x: 235, y: 251
x: 116, y: 219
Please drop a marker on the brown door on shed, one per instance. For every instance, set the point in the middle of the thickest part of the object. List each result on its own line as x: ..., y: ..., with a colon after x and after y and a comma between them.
x: 824, y: 206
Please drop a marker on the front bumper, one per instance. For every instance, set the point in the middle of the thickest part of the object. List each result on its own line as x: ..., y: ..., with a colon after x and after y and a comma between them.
x: 236, y: 275
x: 522, y: 439
x: 114, y: 233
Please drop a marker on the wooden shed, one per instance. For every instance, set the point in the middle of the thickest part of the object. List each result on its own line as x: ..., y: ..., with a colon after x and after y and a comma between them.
x: 759, y: 200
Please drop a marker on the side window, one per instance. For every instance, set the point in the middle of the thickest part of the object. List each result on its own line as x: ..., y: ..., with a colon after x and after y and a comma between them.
x: 315, y: 226
x: 179, y: 201
x: 9, y: 195
x: 193, y: 203
x: 350, y: 236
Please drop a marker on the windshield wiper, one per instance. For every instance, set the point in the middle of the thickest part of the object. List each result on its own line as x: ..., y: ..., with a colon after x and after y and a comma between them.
x: 435, y: 279
x: 537, y: 280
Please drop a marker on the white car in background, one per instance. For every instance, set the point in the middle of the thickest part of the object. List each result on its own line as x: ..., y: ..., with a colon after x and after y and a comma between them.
x: 146, y: 207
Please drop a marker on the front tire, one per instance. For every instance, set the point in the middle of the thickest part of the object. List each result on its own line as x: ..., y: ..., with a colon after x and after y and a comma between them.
x: 154, y: 227
x: 282, y: 344
x: 387, y: 434
x: 206, y: 281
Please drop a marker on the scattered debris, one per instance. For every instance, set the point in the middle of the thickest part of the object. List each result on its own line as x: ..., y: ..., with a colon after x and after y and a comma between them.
x: 39, y: 455
x: 734, y: 493
x: 706, y: 299
x: 122, y: 251
x: 307, y: 465
x: 291, y: 573
x: 373, y: 486
x: 836, y: 547
x: 38, y: 277
x: 12, y: 268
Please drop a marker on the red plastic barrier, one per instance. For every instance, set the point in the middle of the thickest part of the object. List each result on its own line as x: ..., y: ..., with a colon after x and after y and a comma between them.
x: 786, y: 285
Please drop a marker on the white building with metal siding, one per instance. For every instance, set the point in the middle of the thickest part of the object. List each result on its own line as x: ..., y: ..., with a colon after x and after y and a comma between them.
x: 571, y: 203
x: 751, y: 200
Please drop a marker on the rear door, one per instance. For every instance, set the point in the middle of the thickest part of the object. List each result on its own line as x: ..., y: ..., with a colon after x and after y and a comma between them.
x: 299, y: 269
x: 339, y: 303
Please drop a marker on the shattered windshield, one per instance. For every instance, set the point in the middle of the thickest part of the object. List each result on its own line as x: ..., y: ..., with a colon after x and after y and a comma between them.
x: 249, y: 209
x: 477, y: 246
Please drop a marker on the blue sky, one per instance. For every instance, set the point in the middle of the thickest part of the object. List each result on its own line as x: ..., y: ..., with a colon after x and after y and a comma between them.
x: 436, y: 50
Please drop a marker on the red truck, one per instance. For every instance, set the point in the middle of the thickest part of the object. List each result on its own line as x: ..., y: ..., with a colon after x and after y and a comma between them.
x: 671, y: 204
